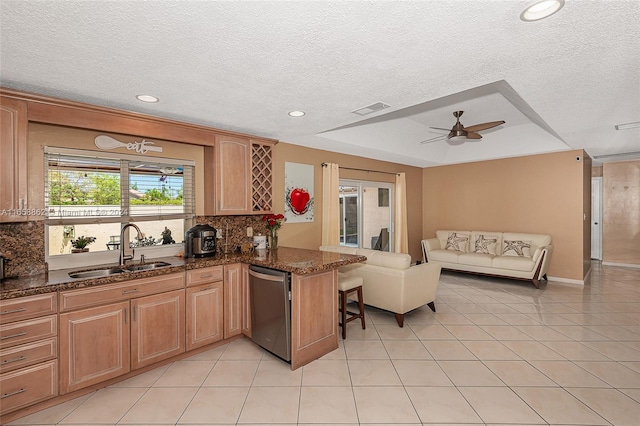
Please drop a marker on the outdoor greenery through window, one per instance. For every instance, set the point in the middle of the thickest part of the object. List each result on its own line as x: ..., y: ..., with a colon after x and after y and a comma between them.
x: 87, y: 195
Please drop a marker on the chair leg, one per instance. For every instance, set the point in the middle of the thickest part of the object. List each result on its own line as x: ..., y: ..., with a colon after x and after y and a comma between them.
x: 400, y: 319
x: 361, y: 307
x: 343, y: 305
x: 432, y: 305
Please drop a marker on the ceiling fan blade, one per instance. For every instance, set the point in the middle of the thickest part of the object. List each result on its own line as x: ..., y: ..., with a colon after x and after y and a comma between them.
x: 473, y: 135
x: 436, y: 139
x: 484, y: 126
x: 440, y: 128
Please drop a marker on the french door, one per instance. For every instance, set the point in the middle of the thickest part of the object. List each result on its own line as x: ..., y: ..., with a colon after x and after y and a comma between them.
x: 366, y: 214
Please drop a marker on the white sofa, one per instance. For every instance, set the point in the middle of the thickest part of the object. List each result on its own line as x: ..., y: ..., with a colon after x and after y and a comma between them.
x: 390, y: 282
x: 505, y: 254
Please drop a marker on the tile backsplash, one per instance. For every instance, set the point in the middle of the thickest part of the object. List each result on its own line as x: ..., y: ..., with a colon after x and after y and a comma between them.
x: 22, y: 245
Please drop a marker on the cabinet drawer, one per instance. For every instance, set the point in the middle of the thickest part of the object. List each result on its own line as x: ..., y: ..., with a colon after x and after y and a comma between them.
x: 28, y: 354
x: 28, y: 307
x: 204, y: 275
x: 101, y: 295
x: 27, y: 331
x: 28, y: 386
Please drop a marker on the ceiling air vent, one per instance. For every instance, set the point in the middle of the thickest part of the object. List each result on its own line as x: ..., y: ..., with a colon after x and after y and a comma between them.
x: 371, y: 108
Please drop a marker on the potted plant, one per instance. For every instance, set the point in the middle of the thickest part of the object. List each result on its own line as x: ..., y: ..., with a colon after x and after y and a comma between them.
x: 80, y: 244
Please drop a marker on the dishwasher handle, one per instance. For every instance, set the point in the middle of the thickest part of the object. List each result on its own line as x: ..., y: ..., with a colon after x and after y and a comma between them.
x: 276, y: 278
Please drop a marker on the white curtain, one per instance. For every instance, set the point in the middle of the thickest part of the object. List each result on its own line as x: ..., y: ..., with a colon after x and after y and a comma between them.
x: 330, y: 204
x: 400, y: 235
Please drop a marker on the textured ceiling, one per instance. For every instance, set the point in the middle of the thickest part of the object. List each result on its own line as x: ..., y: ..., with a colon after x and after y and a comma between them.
x: 560, y: 83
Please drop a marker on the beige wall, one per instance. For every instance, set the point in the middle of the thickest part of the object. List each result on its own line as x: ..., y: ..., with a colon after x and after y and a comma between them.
x: 537, y: 194
x: 41, y: 135
x: 621, y: 212
x: 308, y: 235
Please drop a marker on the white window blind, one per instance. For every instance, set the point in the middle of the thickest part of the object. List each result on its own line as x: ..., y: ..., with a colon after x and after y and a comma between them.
x: 82, y: 187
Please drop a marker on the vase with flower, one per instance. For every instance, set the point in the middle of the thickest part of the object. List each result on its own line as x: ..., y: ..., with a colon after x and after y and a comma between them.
x: 273, y: 222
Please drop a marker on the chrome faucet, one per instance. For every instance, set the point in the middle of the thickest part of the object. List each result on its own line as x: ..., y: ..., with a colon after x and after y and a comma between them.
x: 123, y: 257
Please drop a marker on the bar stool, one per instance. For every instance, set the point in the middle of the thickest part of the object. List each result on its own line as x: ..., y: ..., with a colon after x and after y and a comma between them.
x: 346, y: 286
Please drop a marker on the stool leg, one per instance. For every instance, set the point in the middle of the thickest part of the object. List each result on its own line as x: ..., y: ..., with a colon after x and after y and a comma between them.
x: 343, y: 305
x: 361, y: 306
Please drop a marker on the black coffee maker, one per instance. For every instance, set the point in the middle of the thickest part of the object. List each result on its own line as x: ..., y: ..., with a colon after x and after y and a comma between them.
x: 200, y: 241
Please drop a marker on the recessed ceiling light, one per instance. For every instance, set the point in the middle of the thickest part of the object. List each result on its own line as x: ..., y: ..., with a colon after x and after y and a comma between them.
x: 297, y: 113
x: 627, y: 126
x: 147, y: 98
x: 541, y: 9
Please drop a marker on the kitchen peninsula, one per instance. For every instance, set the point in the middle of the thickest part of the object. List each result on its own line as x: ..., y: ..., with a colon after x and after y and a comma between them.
x: 63, y: 310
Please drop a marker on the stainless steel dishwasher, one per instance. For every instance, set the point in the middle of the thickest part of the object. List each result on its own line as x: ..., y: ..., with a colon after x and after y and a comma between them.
x: 270, y: 292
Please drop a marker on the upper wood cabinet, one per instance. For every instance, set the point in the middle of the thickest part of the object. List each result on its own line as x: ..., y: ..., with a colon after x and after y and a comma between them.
x: 13, y: 160
x: 232, y: 171
x: 239, y: 172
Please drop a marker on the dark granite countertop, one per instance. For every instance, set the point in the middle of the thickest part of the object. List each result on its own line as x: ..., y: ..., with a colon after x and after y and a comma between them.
x: 298, y: 261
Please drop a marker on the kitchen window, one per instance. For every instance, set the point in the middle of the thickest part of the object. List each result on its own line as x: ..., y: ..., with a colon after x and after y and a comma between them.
x: 93, y: 194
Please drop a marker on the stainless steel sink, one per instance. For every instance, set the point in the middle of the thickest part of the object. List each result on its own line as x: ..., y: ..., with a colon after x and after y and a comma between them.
x: 114, y: 270
x: 97, y: 273
x: 147, y: 266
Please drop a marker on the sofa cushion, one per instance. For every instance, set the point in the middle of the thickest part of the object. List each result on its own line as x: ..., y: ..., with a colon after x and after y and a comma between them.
x: 457, y: 242
x: 516, y: 248
x: 442, y: 236
x: 537, y: 240
x: 476, y: 259
x: 448, y: 256
x: 515, y: 263
x: 386, y: 259
x: 485, y: 243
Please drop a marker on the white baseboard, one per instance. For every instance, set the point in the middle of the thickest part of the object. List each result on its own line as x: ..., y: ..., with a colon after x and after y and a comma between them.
x: 566, y: 280
x: 624, y: 265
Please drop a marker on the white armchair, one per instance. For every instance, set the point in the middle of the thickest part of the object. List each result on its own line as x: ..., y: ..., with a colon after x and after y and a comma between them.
x: 390, y: 282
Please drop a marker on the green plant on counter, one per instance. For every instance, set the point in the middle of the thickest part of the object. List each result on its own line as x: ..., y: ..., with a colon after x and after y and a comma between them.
x: 82, y: 241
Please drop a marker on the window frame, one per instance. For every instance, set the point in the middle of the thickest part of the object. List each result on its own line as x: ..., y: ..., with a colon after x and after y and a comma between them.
x: 105, y: 256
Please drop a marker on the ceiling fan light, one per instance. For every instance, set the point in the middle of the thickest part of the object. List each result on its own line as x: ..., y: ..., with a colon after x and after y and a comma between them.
x: 541, y: 9
x: 456, y: 140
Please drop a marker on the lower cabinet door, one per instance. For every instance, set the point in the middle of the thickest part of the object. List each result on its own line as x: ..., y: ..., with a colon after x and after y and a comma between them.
x: 246, y: 302
x: 27, y: 386
x: 157, y: 328
x: 94, y: 345
x: 232, y: 300
x: 204, y: 315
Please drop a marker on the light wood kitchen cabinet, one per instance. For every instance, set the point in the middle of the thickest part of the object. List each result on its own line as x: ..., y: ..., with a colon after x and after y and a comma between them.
x: 28, y: 351
x: 106, y: 331
x: 240, y: 174
x: 205, y: 306
x: 232, y: 175
x: 246, y: 301
x: 232, y: 300
x: 314, y: 319
x: 157, y: 328
x: 13, y: 161
x: 94, y: 345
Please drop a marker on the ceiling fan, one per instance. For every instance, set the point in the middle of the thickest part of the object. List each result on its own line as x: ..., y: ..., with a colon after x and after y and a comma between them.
x: 458, y: 132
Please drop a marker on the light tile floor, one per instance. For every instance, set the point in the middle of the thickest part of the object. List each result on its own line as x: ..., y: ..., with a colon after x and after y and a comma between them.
x: 496, y: 352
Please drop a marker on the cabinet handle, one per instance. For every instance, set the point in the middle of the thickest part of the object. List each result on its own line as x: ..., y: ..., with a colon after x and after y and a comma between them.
x: 133, y: 290
x: 22, y: 333
x: 135, y: 313
x: 13, y: 311
x: 9, y: 361
x: 8, y: 394
x: 206, y: 288
x: 206, y: 276
x: 126, y: 314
